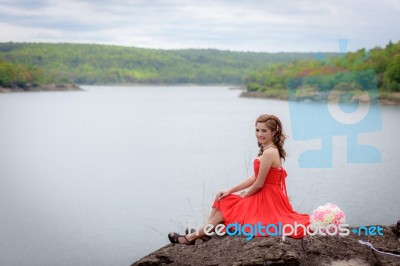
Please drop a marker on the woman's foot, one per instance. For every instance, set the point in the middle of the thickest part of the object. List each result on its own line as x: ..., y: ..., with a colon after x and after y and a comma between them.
x: 176, y: 238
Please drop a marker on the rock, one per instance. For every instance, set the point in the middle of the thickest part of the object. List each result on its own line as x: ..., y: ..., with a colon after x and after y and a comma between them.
x: 311, y: 250
x: 396, y: 229
x: 149, y: 262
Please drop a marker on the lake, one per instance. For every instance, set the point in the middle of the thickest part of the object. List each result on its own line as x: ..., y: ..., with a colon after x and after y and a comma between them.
x: 100, y: 177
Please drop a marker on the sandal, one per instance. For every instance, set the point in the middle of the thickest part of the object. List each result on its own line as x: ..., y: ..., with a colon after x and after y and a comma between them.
x: 174, y: 239
x: 204, y: 238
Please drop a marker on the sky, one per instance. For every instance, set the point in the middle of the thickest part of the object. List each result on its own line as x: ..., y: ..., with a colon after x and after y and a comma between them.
x: 237, y: 25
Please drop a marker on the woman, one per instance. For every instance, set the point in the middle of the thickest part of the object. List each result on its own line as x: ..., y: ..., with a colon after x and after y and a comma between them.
x: 265, y: 201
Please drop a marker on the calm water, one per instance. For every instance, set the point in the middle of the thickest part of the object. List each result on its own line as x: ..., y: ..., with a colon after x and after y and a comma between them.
x: 100, y: 177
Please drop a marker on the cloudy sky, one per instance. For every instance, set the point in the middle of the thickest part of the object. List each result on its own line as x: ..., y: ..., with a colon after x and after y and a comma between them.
x: 239, y: 25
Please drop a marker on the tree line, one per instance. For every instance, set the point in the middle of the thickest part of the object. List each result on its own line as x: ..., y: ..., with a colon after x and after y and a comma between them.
x: 380, y: 66
x: 109, y: 64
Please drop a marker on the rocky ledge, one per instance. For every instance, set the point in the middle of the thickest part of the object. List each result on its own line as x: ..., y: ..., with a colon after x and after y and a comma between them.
x: 44, y: 87
x: 311, y: 250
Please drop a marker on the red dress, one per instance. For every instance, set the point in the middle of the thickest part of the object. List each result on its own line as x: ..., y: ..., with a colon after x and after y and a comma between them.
x: 269, y: 205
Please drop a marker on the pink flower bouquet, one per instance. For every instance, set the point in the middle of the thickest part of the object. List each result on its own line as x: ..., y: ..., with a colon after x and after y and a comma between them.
x: 329, y: 214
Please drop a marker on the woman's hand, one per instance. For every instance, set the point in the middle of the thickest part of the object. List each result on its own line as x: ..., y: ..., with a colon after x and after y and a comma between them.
x: 243, y: 193
x: 222, y: 194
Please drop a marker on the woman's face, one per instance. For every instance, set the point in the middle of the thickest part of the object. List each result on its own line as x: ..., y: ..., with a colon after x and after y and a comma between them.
x: 263, y: 133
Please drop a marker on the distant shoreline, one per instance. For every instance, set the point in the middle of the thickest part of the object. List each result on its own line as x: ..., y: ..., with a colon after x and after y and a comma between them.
x: 230, y: 85
x: 385, y: 99
x: 39, y: 88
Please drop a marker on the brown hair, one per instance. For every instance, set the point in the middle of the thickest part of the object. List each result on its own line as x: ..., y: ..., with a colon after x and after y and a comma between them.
x: 274, y: 124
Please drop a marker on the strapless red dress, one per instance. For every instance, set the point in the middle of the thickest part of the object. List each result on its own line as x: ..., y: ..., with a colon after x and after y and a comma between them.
x: 269, y: 205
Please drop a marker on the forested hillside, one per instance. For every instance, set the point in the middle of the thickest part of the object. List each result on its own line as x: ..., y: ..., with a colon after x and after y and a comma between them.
x: 382, y: 64
x: 107, y: 64
x: 17, y: 76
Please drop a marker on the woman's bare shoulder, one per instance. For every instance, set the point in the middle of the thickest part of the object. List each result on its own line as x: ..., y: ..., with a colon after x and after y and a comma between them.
x: 270, y: 151
x: 270, y: 154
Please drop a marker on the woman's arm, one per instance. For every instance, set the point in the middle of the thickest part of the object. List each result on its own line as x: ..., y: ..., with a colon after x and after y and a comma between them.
x: 266, y: 160
x: 242, y: 185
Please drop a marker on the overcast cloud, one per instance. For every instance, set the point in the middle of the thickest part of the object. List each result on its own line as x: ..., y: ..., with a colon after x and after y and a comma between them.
x: 255, y: 25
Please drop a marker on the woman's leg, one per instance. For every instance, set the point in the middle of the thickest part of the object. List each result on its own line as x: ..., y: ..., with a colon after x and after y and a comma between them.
x: 213, y: 212
x: 215, y: 220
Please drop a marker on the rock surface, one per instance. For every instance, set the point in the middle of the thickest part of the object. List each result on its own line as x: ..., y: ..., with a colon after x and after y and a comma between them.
x: 311, y: 250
